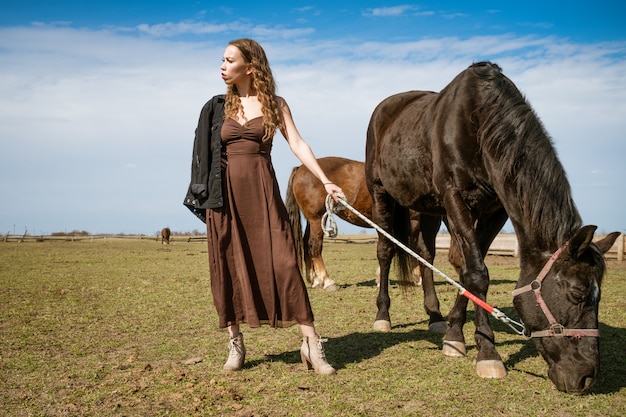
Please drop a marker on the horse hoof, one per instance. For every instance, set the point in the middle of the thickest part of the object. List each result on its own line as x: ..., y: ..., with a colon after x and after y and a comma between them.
x: 330, y: 285
x: 382, y: 326
x: 316, y: 283
x: 453, y: 349
x: 490, y: 369
x: 438, y: 327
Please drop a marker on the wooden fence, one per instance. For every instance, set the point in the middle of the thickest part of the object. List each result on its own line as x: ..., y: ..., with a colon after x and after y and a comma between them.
x: 503, y: 244
x: 71, y: 238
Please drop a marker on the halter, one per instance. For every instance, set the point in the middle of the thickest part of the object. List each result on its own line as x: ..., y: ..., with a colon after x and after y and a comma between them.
x: 556, y: 329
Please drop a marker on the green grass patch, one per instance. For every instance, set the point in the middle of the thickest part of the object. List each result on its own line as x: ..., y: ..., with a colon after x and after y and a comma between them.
x: 103, y: 328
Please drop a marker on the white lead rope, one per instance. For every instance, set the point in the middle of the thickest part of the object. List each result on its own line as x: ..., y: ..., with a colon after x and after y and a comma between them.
x: 516, y: 326
x: 329, y: 225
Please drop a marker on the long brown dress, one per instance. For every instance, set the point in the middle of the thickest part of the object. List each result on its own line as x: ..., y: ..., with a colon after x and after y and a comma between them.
x: 255, y: 278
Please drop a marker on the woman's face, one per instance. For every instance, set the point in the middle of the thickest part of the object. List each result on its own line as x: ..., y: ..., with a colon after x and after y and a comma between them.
x: 234, y: 68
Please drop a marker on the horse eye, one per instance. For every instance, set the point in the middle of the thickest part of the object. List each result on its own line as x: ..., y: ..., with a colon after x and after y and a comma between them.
x: 577, y: 297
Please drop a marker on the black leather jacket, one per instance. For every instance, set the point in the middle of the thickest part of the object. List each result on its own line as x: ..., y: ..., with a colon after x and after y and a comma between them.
x: 205, y: 189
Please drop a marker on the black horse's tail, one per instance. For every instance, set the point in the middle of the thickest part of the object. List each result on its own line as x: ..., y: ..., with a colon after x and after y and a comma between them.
x: 402, y: 231
x: 294, y: 219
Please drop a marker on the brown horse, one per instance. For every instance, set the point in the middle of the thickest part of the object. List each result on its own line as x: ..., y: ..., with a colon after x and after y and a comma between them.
x: 306, y: 194
x: 165, y: 235
x: 475, y: 153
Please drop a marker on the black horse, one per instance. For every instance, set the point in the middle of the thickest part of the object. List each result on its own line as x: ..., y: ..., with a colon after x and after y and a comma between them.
x: 476, y: 153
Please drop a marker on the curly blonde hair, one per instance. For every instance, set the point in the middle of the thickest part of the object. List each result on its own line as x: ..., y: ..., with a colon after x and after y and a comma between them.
x: 262, y: 84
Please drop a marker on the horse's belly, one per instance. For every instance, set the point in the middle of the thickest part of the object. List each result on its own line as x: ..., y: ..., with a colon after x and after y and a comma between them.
x: 427, y: 204
x: 418, y: 195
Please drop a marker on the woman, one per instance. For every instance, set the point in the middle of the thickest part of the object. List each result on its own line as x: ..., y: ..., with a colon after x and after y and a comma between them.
x: 255, y: 277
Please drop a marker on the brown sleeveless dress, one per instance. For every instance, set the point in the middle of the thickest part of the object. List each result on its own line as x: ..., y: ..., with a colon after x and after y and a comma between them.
x: 255, y: 277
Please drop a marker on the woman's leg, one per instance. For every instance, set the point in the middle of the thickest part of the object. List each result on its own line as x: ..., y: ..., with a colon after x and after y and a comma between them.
x: 236, y: 350
x: 308, y: 330
x: 233, y: 330
x: 312, y: 351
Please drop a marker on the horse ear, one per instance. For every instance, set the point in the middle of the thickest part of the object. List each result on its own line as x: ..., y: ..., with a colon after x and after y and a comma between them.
x: 605, y: 244
x: 581, y: 240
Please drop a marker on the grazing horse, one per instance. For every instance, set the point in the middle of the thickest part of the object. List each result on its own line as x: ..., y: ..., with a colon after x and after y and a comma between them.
x: 306, y: 194
x: 165, y: 235
x: 476, y: 152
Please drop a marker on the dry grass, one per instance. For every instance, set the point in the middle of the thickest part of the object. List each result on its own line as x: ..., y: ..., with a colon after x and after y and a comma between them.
x: 104, y: 328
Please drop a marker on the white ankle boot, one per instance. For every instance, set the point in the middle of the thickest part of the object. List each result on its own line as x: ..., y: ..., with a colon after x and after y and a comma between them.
x: 236, y: 355
x: 313, y: 356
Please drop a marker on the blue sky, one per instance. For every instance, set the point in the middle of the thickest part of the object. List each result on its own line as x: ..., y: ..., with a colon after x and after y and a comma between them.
x: 99, y: 100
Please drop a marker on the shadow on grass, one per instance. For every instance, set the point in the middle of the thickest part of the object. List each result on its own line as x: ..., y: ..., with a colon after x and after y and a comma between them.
x: 370, y: 283
x: 438, y: 283
x: 357, y: 347
x: 612, y: 360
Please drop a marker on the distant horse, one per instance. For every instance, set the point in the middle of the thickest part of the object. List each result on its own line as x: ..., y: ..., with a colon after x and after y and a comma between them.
x: 306, y: 194
x: 475, y: 153
x: 165, y: 235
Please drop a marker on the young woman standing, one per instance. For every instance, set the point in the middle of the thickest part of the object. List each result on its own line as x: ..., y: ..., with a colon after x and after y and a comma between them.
x: 255, y: 277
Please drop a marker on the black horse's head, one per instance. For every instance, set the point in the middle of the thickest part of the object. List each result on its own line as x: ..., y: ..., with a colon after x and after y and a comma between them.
x: 571, y: 294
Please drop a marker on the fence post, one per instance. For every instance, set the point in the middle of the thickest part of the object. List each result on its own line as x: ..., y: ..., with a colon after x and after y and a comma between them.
x: 620, y: 248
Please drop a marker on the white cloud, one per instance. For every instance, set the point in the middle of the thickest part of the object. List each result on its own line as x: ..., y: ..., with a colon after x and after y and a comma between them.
x: 182, y: 28
x: 177, y: 29
x: 77, y: 105
x: 391, y: 11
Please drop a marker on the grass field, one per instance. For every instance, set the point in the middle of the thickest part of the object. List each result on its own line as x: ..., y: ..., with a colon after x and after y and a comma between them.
x: 127, y: 328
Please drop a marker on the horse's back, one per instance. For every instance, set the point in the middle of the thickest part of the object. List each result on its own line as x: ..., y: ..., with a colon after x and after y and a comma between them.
x: 336, y: 169
x: 389, y: 110
x: 433, y: 139
x: 387, y: 115
x: 396, y: 149
x: 348, y: 174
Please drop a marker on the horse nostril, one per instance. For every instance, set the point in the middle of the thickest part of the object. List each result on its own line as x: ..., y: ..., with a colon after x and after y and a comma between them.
x: 586, y: 383
x: 571, y: 384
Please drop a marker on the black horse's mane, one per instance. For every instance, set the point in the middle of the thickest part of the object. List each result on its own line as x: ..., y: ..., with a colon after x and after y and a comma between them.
x: 511, y: 133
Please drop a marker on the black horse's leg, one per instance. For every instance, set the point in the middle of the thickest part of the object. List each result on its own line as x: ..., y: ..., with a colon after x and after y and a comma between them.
x: 487, y: 228
x: 475, y: 278
x: 425, y: 247
x: 486, y: 231
x: 382, y: 212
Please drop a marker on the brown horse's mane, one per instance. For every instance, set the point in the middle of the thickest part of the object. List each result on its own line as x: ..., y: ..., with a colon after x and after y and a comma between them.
x: 511, y: 133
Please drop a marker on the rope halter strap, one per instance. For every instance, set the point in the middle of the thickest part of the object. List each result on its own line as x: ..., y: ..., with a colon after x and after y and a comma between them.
x: 556, y: 329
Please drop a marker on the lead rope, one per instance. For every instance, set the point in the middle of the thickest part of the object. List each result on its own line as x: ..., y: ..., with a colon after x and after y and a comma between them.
x: 329, y: 225
x: 499, y: 315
